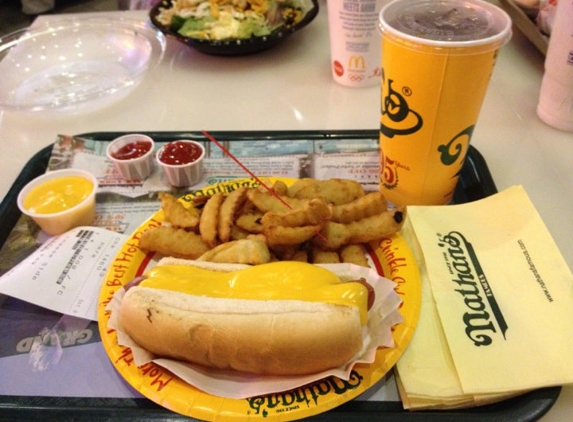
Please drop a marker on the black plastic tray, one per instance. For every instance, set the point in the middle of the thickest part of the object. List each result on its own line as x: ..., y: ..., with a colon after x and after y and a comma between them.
x: 475, y: 183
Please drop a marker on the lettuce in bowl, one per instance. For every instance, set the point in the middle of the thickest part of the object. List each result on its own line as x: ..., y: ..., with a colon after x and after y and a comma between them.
x: 232, y: 20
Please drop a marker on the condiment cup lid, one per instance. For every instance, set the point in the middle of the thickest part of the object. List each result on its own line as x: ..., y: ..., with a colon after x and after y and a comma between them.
x: 452, y: 25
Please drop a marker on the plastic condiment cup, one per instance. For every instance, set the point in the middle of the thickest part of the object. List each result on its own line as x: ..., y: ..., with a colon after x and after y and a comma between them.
x: 82, y: 214
x: 136, y: 166
x: 181, y: 175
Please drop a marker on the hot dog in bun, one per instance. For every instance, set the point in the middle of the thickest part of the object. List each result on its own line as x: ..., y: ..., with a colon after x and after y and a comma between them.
x: 282, y: 318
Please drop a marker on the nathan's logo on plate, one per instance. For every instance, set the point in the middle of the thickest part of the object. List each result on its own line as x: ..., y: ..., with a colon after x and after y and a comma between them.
x: 225, y: 186
x: 481, y: 321
x: 397, y: 118
x: 214, y: 180
x: 307, y: 396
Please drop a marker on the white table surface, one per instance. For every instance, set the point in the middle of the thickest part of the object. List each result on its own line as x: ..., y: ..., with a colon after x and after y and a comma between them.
x: 290, y: 88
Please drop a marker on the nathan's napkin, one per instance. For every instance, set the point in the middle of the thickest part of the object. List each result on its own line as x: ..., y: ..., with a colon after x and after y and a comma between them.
x: 496, y: 307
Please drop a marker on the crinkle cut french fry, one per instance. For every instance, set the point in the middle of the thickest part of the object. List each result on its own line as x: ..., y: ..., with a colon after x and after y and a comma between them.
x: 260, y: 237
x: 334, y: 235
x: 280, y: 188
x: 209, y: 221
x: 177, y: 214
x: 280, y: 235
x: 250, y: 222
x: 266, y: 202
x: 300, y: 184
x: 376, y: 226
x: 333, y: 215
x: 354, y: 254
x: 301, y: 256
x: 200, y: 200
x: 333, y: 191
x: 368, y: 205
x: 319, y: 256
x: 284, y: 252
x: 315, y: 212
x: 244, y: 251
x: 229, y: 207
x: 238, y: 233
x: 172, y: 241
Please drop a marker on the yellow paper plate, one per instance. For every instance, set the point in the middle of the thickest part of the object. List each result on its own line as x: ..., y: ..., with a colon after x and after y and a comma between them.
x: 392, y: 258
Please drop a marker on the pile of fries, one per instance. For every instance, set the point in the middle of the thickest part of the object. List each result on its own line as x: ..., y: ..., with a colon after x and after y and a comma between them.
x: 312, y: 221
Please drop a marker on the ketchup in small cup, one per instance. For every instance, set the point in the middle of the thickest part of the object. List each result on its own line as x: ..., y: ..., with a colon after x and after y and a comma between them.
x: 182, y: 162
x: 132, y: 156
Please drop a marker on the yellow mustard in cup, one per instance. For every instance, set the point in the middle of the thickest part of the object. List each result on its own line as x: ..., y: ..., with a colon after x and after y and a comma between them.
x: 60, y: 200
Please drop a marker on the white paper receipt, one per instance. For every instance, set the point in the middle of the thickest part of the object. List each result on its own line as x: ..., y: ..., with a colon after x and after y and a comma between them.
x: 66, y: 272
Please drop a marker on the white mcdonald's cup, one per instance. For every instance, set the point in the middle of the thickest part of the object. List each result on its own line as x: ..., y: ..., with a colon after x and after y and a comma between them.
x: 355, y: 41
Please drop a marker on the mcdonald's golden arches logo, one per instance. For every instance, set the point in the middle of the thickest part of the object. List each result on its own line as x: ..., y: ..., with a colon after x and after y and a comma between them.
x: 357, y: 62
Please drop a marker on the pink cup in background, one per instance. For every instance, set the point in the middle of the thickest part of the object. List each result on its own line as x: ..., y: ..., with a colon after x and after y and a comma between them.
x: 132, y: 156
x: 182, y: 162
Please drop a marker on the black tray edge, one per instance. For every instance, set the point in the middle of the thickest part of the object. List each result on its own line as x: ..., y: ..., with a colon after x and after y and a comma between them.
x: 525, y: 408
x: 9, y: 211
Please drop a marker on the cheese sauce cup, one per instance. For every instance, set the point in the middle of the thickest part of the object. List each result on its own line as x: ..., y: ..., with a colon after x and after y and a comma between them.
x: 132, y: 156
x: 437, y: 60
x: 182, y: 162
x: 60, y: 200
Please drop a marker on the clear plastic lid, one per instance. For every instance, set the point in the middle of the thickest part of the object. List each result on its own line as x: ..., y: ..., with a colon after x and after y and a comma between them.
x: 445, y: 22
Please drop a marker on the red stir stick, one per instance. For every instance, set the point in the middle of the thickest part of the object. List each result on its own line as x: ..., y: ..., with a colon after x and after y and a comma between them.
x: 236, y: 160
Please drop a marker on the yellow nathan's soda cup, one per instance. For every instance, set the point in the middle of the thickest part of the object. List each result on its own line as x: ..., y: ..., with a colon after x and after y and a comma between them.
x: 437, y: 59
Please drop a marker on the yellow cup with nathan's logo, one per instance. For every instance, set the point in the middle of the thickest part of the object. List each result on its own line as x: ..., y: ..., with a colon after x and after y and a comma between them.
x: 437, y: 59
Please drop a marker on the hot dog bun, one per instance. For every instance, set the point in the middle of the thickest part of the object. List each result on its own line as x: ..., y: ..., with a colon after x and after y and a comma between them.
x: 265, y: 337
x: 262, y: 337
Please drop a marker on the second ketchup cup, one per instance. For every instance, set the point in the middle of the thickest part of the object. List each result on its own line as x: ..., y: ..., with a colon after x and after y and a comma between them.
x: 182, y: 162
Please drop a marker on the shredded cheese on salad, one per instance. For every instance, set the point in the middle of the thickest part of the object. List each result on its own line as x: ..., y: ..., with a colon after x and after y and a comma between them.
x: 231, y: 19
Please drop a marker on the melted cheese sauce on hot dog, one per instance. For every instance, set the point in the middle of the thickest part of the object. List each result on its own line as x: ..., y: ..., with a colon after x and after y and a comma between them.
x: 273, y: 281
